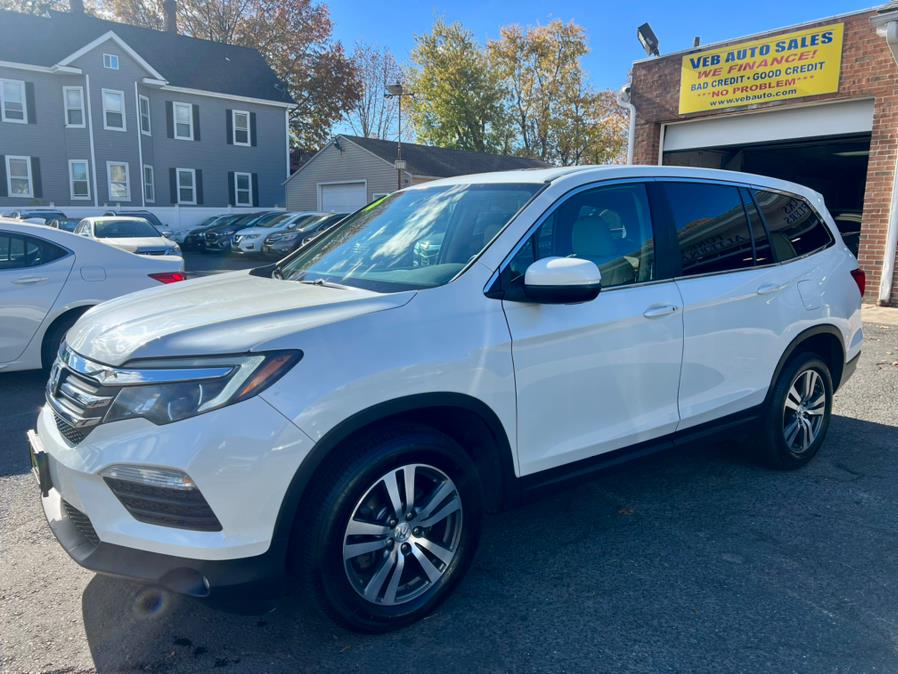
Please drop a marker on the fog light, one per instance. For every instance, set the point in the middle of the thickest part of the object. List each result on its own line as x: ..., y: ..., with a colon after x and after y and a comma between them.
x: 152, y: 477
x: 162, y: 496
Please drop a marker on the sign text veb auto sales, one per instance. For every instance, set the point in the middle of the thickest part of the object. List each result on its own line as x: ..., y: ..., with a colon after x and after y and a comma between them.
x: 803, y: 63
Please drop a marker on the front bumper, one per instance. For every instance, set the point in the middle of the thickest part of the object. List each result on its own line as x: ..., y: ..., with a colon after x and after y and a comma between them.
x: 278, y: 249
x: 263, y: 574
x: 242, y: 459
x: 246, y: 246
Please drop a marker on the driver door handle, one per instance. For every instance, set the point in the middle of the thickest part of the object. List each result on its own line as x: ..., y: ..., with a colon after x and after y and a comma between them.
x: 659, y: 310
x: 29, y: 280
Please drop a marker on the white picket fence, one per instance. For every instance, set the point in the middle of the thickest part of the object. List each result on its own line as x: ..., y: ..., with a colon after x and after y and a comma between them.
x: 178, y: 219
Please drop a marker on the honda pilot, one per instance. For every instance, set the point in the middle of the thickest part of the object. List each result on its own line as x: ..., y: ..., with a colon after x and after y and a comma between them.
x: 338, y: 423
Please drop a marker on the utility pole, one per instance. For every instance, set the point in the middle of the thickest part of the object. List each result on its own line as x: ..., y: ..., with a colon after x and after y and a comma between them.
x: 397, y: 91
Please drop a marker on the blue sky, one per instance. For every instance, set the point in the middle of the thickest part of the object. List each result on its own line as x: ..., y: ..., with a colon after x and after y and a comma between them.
x: 610, y: 26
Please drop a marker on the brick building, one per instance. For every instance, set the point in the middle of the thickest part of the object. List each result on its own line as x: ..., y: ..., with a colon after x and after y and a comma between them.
x: 825, y: 116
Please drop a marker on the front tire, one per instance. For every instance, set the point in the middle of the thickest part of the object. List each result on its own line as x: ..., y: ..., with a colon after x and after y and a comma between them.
x: 395, y: 528
x: 798, y: 413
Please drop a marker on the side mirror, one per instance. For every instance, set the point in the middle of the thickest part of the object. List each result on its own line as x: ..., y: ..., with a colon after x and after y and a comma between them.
x: 562, y: 280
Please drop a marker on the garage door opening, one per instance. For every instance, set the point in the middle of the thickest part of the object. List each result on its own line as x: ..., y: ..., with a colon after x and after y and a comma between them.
x: 342, y: 197
x: 834, y: 166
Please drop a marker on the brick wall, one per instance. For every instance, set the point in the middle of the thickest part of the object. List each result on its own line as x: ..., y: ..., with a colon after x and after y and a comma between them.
x: 868, y: 70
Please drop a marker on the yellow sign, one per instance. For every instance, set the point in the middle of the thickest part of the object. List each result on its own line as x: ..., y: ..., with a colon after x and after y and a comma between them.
x: 803, y: 63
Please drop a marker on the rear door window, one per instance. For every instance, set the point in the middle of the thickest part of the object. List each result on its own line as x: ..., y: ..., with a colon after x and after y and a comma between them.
x: 795, y: 228
x: 19, y: 252
x: 712, y: 230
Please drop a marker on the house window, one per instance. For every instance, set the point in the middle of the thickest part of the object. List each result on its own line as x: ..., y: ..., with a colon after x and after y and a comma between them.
x: 119, y: 185
x: 73, y: 97
x: 149, y: 184
x: 183, y: 114
x: 144, y: 107
x: 243, y: 189
x: 113, y: 110
x: 241, y: 127
x: 79, y: 185
x: 12, y: 102
x: 110, y: 61
x: 18, y: 176
x: 186, y: 186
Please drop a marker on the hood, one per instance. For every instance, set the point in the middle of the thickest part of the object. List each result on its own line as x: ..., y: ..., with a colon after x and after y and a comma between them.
x: 226, y: 313
x: 132, y: 244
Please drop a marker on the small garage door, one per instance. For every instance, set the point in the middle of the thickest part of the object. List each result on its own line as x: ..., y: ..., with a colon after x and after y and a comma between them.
x: 342, y: 197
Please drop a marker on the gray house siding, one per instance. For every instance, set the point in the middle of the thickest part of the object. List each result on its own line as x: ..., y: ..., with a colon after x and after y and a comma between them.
x: 48, y: 139
x: 349, y: 164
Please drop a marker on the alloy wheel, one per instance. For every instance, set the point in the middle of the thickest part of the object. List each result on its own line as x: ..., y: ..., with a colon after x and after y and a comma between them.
x: 804, y: 410
x: 403, y: 534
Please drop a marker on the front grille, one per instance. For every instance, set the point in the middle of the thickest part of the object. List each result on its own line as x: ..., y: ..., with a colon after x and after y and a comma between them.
x: 78, y: 402
x: 178, y: 508
x: 211, y: 236
x: 151, y: 251
x: 81, y: 523
x: 72, y: 434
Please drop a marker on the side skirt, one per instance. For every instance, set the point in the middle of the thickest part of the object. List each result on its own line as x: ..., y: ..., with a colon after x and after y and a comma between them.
x: 739, y: 422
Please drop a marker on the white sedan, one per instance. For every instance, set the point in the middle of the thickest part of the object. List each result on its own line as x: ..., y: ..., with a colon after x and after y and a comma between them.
x: 129, y: 233
x: 49, y: 277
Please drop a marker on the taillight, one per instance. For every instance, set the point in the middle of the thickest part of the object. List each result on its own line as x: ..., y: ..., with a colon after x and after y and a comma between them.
x: 860, y: 278
x: 169, y: 276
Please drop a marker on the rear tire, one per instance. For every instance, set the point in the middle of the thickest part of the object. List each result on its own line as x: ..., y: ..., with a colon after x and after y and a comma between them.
x: 798, y: 414
x: 374, y: 558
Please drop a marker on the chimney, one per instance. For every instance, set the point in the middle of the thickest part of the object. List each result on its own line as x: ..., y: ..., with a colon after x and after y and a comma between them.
x: 170, y: 8
x: 76, y: 6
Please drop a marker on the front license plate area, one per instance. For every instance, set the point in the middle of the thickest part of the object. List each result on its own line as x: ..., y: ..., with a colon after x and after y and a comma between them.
x: 40, y: 463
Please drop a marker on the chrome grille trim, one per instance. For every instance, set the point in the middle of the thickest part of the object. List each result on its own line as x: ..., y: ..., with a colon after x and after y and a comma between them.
x: 79, y: 396
x: 107, y: 375
x: 78, y: 400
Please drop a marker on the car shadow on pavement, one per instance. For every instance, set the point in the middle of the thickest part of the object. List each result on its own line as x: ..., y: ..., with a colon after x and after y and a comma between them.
x: 691, y: 560
x: 22, y: 394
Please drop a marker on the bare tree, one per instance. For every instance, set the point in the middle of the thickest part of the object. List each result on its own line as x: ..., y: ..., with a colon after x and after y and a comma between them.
x: 373, y: 115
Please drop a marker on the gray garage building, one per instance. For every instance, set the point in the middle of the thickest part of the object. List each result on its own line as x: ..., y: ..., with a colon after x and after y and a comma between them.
x: 350, y: 171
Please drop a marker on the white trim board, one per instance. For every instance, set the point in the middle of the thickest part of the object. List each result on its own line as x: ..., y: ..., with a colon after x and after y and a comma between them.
x: 105, y: 37
x: 762, y: 126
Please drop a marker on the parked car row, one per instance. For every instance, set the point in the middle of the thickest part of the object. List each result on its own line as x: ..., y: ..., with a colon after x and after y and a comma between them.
x: 269, y: 233
x: 135, y: 231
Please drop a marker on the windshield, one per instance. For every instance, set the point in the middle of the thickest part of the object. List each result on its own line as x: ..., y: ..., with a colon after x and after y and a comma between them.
x: 123, y: 229
x: 420, y: 238
x: 67, y: 224
x: 272, y: 220
x: 306, y: 222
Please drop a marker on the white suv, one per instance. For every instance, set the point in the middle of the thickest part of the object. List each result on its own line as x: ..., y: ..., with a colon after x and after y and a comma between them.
x: 343, y: 418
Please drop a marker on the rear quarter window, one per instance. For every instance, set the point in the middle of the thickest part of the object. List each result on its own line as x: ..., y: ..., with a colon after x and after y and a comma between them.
x: 794, y: 226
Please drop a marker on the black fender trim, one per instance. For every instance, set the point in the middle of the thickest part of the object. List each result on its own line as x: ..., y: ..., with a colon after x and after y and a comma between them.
x: 800, y: 338
x: 372, y: 415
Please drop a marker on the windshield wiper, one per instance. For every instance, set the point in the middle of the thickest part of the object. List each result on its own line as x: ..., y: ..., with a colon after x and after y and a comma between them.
x: 323, y: 283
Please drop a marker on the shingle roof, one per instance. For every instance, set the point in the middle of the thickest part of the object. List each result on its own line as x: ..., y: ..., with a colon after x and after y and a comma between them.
x: 183, y: 61
x: 440, y: 162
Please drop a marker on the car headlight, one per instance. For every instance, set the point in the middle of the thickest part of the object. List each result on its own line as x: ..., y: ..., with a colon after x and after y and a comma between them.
x: 171, y: 389
x: 173, y: 250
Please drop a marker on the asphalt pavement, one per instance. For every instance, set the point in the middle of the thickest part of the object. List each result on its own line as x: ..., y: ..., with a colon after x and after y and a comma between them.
x: 696, y: 561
